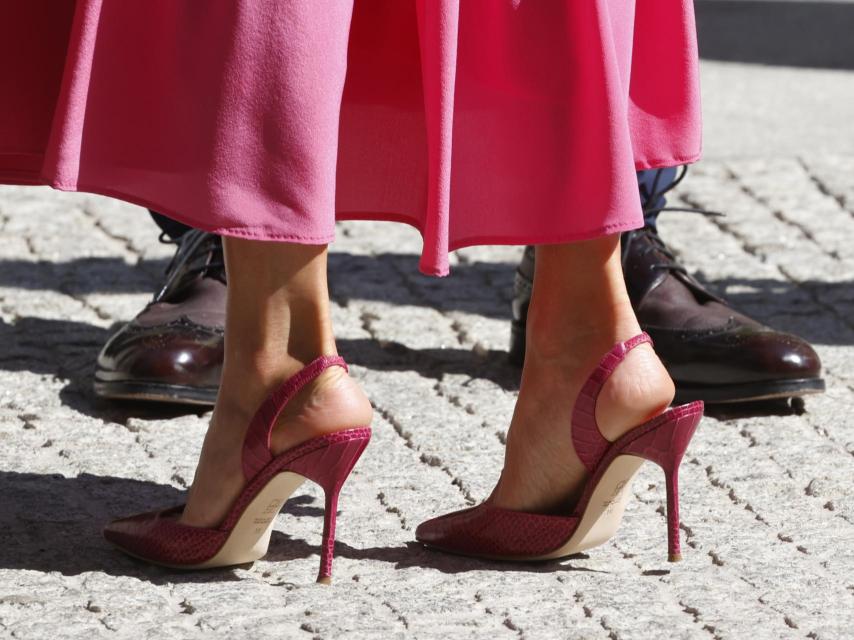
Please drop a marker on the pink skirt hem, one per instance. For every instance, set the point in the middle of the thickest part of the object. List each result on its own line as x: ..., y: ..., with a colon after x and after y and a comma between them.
x: 484, y: 121
x: 619, y: 226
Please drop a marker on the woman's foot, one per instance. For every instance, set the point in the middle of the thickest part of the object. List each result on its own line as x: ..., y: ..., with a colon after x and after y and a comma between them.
x: 332, y: 402
x: 542, y: 473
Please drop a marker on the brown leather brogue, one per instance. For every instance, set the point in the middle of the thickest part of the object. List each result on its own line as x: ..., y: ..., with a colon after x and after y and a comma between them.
x: 172, y: 351
x: 712, y: 352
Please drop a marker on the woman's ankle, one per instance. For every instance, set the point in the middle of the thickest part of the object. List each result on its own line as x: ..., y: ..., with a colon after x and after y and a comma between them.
x: 248, y: 378
x: 331, y: 402
x: 250, y: 375
x: 574, y: 327
x: 639, y: 388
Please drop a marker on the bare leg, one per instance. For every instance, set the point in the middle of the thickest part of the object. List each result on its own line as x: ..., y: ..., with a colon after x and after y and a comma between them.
x: 277, y: 321
x: 579, y: 310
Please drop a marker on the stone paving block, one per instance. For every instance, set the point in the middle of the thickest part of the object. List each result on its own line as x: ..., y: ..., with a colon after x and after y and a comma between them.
x: 832, y: 175
x: 786, y: 187
x: 127, y: 224
x: 413, y: 327
x: 763, y: 234
x: 438, y: 431
x: 376, y: 239
x: 467, y: 393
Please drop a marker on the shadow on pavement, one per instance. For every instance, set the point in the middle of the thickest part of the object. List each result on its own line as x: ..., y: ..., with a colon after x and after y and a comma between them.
x: 68, y: 349
x: 432, y: 363
x: 52, y: 523
x: 413, y: 555
x: 790, y: 307
x: 739, y: 410
x: 482, y: 288
x: 777, y: 32
x: 82, y: 276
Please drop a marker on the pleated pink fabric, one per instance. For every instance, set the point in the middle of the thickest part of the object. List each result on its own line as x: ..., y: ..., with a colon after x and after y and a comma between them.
x: 476, y: 121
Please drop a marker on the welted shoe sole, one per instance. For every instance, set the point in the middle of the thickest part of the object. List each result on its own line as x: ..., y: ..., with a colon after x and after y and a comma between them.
x: 155, y: 392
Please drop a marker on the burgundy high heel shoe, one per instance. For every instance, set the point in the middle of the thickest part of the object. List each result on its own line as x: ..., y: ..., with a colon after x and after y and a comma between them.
x: 244, y: 534
x: 487, y: 531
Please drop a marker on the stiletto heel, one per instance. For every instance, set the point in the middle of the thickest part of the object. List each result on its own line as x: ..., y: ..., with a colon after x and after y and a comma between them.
x: 244, y: 534
x: 327, y: 546
x: 674, y: 552
x: 329, y: 468
x: 665, y: 446
x: 492, y: 532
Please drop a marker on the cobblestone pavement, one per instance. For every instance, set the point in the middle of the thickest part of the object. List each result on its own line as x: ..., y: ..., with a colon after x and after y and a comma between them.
x: 767, y: 508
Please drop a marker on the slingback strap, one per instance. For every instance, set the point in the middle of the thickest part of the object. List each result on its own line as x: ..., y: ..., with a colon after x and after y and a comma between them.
x: 256, y: 445
x: 589, y: 443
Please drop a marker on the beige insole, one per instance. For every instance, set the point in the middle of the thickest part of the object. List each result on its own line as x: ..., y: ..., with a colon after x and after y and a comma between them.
x: 604, y: 511
x: 250, y: 537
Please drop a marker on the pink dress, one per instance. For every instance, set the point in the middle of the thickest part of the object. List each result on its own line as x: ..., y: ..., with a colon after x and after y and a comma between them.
x: 476, y: 121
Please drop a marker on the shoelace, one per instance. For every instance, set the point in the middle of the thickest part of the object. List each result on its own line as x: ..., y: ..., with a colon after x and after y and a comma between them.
x: 191, y: 245
x: 655, y: 242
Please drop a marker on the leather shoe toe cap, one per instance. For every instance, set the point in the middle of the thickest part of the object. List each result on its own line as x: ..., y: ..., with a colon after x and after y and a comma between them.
x: 736, y: 356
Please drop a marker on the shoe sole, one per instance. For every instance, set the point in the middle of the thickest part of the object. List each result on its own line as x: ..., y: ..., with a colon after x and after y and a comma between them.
x: 156, y: 392
x: 250, y: 537
x: 748, y: 391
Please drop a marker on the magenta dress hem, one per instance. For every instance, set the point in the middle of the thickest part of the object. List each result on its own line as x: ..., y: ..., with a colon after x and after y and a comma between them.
x: 476, y: 122
x: 427, y: 269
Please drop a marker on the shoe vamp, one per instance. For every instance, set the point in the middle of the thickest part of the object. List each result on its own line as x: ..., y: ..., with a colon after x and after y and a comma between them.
x: 159, y: 537
x: 736, y: 356
x: 703, y: 341
x: 672, y: 305
x: 203, y: 303
x: 493, y: 532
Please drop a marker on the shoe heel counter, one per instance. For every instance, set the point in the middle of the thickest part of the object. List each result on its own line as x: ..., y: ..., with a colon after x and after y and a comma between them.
x: 330, y: 465
x: 665, y: 445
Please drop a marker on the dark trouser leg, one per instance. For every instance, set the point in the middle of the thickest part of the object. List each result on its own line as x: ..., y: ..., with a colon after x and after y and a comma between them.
x: 169, y: 226
x: 651, y: 184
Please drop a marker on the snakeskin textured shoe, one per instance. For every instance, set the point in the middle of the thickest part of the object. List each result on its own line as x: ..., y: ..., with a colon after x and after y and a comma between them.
x: 244, y: 534
x: 488, y: 531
